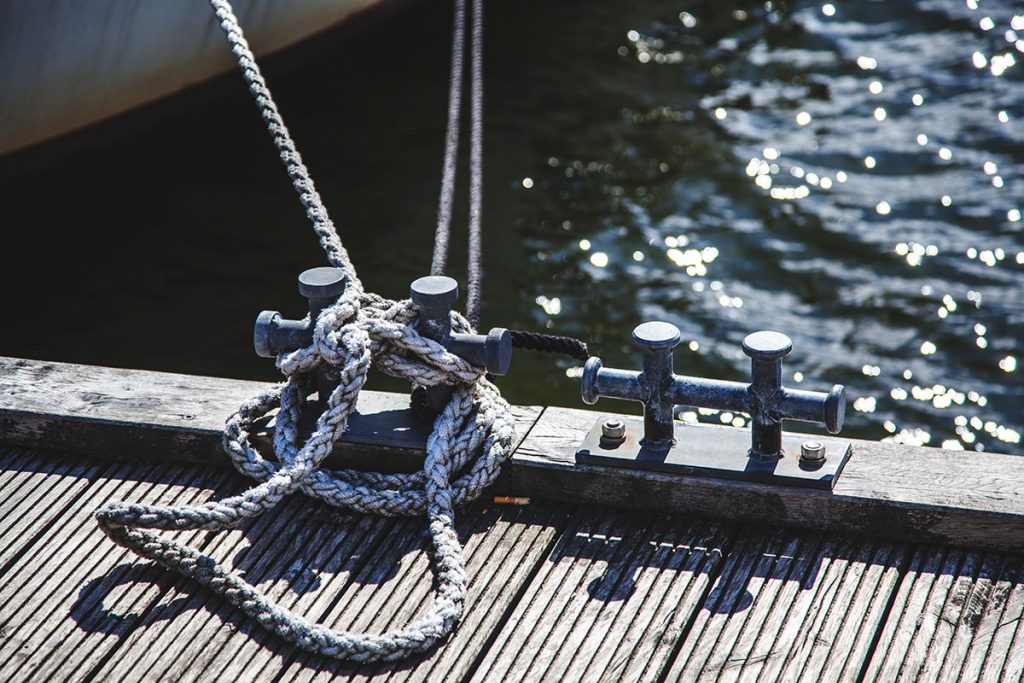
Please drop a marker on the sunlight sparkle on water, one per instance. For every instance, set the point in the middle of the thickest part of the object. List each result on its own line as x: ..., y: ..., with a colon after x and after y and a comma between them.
x: 552, y: 306
x: 802, y: 156
x: 867, y: 63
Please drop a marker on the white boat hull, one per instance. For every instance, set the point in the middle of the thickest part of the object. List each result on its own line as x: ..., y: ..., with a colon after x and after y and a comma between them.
x: 65, y: 64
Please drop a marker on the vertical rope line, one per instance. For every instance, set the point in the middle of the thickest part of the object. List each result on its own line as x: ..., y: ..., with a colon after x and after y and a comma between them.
x: 316, y: 212
x: 439, y: 262
x: 474, y: 266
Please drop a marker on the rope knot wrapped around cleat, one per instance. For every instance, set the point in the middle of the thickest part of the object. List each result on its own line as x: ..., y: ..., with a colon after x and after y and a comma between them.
x: 472, y: 436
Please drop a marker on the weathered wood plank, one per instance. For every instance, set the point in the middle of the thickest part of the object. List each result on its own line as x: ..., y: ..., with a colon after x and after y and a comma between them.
x: 956, y: 617
x: 189, y: 625
x: 139, y: 415
x: 33, y: 492
x: 87, y: 409
x: 503, y: 545
x: 73, y: 594
x: 790, y: 607
x: 886, y: 490
x: 892, y: 491
x: 610, y: 600
x: 354, y: 572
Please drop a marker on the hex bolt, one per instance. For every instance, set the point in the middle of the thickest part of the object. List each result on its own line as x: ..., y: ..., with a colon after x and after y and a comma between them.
x: 434, y: 297
x: 613, y: 433
x: 812, y: 452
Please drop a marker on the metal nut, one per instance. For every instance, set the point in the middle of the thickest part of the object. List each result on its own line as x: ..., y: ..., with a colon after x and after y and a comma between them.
x: 613, y: 433
x: 812, y: 452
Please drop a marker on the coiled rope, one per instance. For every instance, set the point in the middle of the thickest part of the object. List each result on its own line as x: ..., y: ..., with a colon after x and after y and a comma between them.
x: 471, y: 438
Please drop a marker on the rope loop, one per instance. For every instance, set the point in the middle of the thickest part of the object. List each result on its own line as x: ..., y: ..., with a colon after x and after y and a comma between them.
x: 471, y: 438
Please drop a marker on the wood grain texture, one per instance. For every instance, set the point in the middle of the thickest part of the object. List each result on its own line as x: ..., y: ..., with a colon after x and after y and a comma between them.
x: 34, y: 491
x: 556, y: 593
x: 281, y: 551
x: 609, y: 602
x: 351, y: 571
x: 956, y: 617
x: 143, y: 416
x: 72, y: 594
x: 503, y: 547
x: 886, y: 490
x: 790, y: 607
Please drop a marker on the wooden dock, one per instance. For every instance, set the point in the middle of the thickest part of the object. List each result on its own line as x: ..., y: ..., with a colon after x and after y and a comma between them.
x: 893, y: 576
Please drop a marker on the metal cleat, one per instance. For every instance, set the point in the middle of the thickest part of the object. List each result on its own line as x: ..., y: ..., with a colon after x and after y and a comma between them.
x: 274, y: 334
x: 669, y: 445
x: 434, y: 297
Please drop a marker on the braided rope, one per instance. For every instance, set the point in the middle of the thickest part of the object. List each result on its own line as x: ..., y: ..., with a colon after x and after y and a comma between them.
x: 471, y: 438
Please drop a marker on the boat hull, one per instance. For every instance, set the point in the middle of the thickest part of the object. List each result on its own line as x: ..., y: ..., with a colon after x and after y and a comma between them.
x: 67, y: 64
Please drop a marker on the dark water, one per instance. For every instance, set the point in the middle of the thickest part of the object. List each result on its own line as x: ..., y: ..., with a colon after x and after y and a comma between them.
x: 851, y: 178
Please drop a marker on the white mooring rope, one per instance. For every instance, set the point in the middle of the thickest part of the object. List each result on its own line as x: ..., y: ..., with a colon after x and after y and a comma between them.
x: 471, y: 439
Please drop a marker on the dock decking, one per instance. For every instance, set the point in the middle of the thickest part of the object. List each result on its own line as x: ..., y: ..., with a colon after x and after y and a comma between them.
x: 558, y: 591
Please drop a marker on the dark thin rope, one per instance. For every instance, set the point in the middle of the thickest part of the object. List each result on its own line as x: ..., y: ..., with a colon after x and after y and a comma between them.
x: 550, y: 343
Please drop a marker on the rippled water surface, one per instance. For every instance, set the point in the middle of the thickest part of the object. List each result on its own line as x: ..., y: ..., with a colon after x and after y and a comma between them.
x: 849, y: 174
